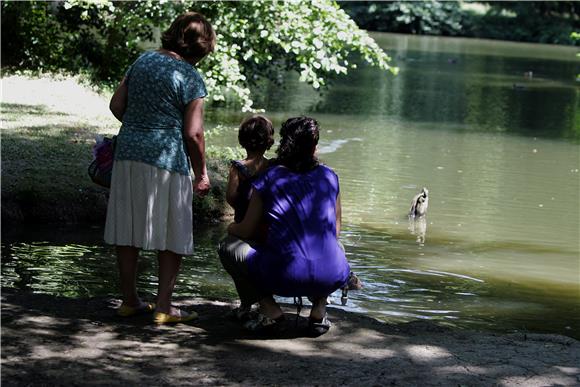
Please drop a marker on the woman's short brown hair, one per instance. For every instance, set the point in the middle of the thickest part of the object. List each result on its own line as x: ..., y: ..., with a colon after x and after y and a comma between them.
x: 256, y: 133
x: 190, y: 35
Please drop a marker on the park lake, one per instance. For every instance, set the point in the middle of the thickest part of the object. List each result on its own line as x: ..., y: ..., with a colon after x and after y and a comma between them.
x: 490, y: 128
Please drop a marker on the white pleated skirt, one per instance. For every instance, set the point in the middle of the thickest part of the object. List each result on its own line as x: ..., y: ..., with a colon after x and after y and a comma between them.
x: 149, y: 208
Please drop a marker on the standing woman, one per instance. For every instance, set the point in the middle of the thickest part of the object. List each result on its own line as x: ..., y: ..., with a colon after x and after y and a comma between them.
x: 160, y: 105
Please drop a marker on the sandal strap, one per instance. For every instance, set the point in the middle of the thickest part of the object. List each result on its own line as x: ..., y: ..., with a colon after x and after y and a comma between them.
x: 129, y: 311
x: 262, y: 322
x: 241, y: 313
x: 319, y: 327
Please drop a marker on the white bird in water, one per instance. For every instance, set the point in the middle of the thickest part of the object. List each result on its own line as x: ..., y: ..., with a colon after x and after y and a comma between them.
x: 419, y: 204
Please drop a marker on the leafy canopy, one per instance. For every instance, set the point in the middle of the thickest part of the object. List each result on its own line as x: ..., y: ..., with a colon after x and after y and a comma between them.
x: 254, y: 40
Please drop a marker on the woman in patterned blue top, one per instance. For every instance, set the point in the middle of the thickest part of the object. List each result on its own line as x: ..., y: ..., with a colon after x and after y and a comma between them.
x: 160, y: 105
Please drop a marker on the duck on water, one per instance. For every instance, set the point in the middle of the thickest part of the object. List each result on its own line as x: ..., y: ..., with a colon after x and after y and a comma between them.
x: 419, y: 204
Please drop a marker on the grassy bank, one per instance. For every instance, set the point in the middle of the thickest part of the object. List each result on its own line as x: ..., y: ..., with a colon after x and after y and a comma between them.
x: 48, y: 128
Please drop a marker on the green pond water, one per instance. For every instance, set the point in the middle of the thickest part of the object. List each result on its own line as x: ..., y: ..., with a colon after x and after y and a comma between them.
x: 498, y: 150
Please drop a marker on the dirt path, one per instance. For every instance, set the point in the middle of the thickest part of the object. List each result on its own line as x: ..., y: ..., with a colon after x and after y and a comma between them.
x: 48, y: 340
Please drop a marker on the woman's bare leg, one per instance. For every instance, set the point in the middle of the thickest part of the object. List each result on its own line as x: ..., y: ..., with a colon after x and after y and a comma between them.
x: 318, y: 310
x: 169, y: 263
x: 270, y: 308
x: 127, y: 257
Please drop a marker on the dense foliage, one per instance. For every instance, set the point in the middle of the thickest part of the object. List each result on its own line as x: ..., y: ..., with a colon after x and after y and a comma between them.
x: 412, y: 17
x: 576, y: 37
x: 255, y: 39
x: 530, y: 21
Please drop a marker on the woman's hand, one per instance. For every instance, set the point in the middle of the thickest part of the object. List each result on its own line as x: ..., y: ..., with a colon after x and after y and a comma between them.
x: 201, y: 185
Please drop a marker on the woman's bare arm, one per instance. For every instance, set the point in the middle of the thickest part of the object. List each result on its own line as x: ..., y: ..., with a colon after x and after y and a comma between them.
x: 118, y: 103
x: 195, y: 142
x: 232, y: 189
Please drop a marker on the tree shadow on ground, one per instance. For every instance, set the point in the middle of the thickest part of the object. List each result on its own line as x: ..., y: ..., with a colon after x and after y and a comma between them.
x: 11, y: 111
x: 58, y: 341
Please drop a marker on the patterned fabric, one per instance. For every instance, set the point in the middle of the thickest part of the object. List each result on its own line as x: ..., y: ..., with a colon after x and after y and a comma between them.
x: 160, y: 87
x: 302, y: 255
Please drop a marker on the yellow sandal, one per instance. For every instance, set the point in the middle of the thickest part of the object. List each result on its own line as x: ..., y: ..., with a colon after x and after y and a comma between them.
x: 166, y: 318
x: 129, y: 311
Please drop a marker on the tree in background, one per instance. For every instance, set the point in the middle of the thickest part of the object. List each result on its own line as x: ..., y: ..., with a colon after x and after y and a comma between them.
x: 409, y: 17
x: 254, y: 40
x: 530, y: 21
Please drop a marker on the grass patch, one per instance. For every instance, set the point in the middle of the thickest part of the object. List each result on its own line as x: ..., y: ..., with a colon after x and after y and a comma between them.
x: 46, y: 152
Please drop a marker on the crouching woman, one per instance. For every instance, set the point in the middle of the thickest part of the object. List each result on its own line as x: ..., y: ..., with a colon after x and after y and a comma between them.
x: 298, y: 199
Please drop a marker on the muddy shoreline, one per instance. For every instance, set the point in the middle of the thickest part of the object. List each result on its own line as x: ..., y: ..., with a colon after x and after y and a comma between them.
x: 48, y: 340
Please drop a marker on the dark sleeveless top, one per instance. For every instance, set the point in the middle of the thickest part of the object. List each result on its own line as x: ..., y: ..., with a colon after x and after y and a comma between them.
x: 244, y: 190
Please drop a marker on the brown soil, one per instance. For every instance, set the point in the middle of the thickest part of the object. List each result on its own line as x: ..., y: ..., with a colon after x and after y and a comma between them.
x: 49, y: 340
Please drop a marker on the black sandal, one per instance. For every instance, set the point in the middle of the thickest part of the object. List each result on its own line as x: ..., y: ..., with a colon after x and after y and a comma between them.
x: 262, y: 324
x: 241, y: 314
x: 318, y: 327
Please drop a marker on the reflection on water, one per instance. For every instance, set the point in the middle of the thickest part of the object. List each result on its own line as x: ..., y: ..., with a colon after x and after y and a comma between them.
x: 465, y: 85
x: 403, y: 280
x: 418, y: 227
x: 45, y: 261
x: 499, y: 247
x: 462, y: 283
